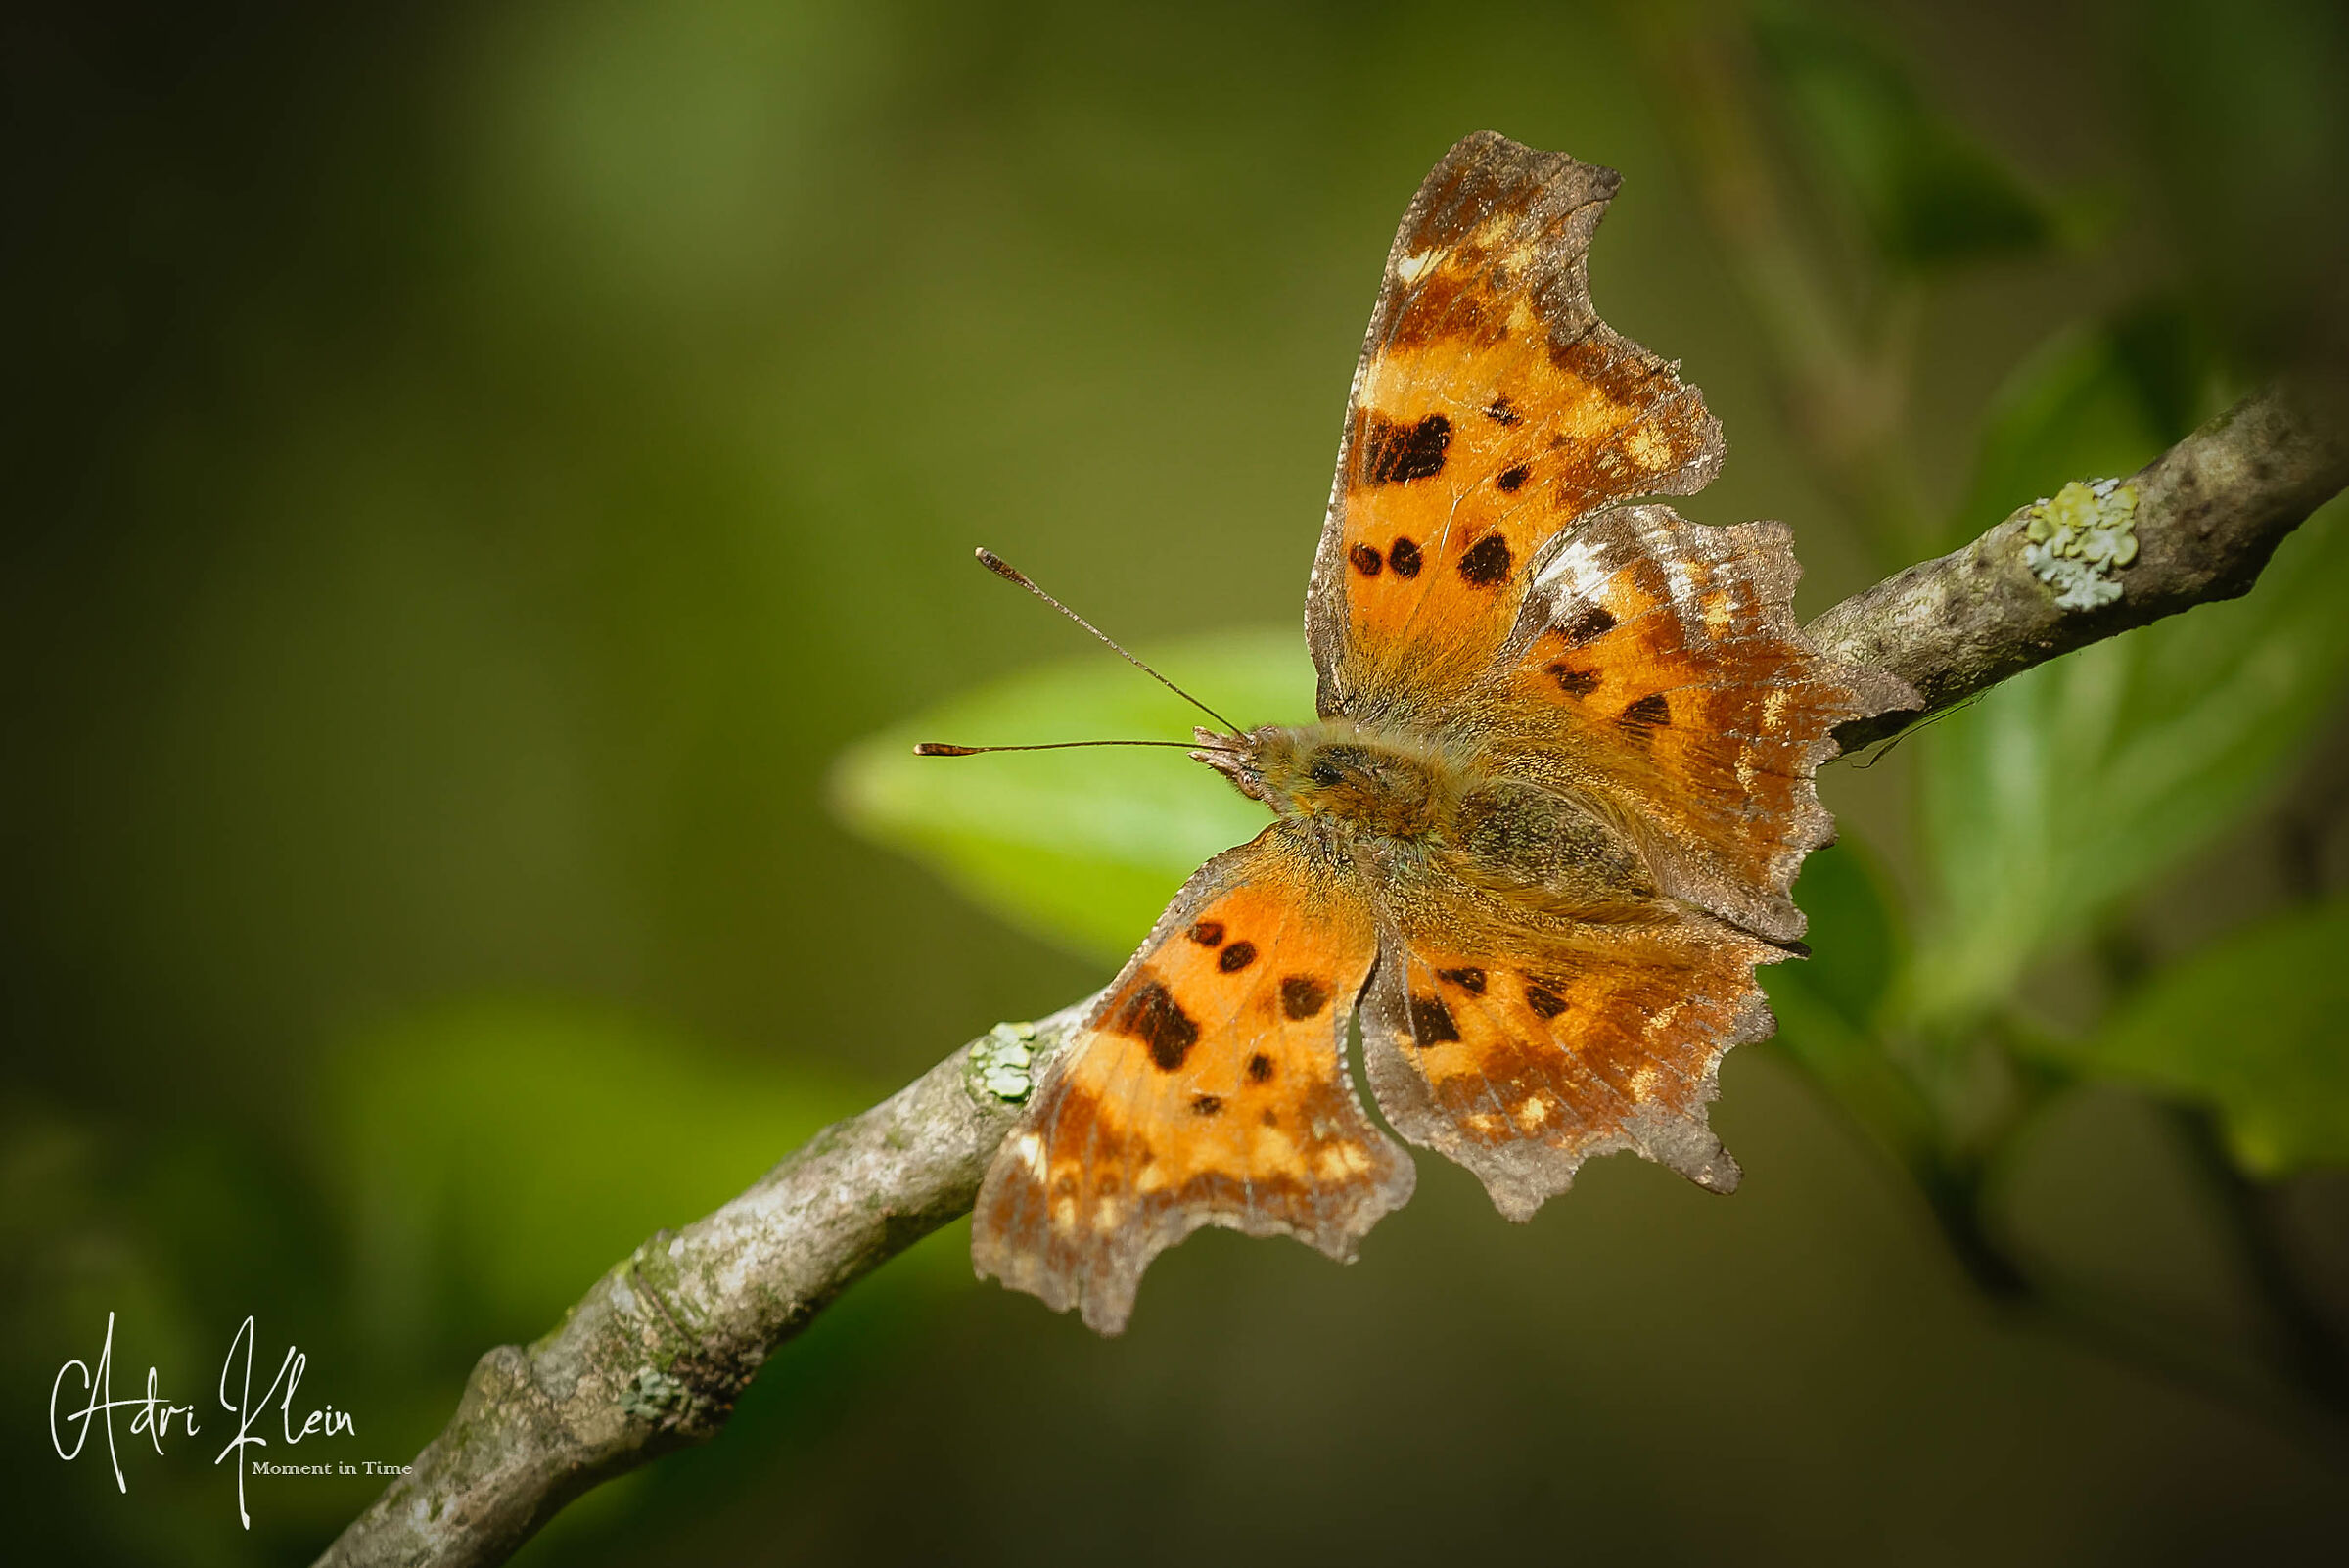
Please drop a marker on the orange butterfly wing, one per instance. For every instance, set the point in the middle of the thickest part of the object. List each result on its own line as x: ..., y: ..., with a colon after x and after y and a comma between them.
x: 1520, y: 1064
x: 1209, y: 1087
x: 1492, y: 407
x: 1657, y: 665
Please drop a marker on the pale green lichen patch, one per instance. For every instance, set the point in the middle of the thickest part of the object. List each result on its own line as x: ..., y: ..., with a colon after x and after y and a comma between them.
x: 651, y: 1394
x: 1001, y: 1066
x: 2077, y: 542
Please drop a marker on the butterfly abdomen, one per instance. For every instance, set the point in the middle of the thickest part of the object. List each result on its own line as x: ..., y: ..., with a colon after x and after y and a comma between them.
x: 1555, y: 852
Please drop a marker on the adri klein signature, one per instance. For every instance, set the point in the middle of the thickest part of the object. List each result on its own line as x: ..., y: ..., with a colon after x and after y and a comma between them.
x: 83, y: 1397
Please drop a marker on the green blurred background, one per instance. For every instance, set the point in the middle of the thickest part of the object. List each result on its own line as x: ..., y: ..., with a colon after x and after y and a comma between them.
x: 476, y: 471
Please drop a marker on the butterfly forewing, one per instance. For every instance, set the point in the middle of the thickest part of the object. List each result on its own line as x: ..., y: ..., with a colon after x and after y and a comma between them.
x: 1492, y: 408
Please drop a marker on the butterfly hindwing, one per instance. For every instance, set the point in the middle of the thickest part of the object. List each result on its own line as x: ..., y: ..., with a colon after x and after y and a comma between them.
x: 1208, y: 1087
x: 1521, y: 1063
x: 1490, y: 408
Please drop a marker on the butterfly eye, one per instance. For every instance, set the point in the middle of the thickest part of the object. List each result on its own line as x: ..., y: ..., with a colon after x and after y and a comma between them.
x: 1326, y: 774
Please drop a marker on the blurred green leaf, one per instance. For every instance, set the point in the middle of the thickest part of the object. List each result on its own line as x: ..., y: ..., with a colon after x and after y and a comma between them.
x: 1083, y: 848
x: 1828, y: 1004
x: 1854, y: 933
x: 2257, y: 1027
x: 2099, y: 400
x: 1931, y: 195
x: 2068, y: 788
x: 501, y: 1155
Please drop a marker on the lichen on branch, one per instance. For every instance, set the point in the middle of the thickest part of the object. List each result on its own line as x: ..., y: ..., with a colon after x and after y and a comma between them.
x: 2206, y: 516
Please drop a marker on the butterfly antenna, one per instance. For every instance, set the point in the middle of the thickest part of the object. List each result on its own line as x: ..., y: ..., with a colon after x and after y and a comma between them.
x: 1011, y: 574
x: 942, y: 749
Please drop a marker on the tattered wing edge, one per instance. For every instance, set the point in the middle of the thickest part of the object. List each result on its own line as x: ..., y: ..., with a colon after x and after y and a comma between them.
x: 1522, y: 1176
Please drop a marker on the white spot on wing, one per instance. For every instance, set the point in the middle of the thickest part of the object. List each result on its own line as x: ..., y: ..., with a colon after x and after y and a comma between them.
x: 1681, y: 584
x: 1412, y: 268
x: 1341, y: 1160
x: 1577, y: 573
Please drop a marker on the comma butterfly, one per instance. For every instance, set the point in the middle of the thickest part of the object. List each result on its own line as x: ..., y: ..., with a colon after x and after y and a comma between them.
x: 1540, y: 838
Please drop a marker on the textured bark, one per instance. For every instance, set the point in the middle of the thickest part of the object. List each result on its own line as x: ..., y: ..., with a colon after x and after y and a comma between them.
x: 2209, y: 513
x: 653, y: 1357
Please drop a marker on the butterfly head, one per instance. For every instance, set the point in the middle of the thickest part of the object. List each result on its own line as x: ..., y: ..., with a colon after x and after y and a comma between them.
x: 1334, y: 773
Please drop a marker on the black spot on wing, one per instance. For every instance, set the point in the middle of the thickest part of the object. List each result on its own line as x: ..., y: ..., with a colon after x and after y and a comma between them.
x: 1405, y: 558
x: 1501, y: 413
x: 1649, y: 713
x: 1487, y: 562
x: 1366, y: 559
x: 1396, y: 453
x: 1152, y: 1016
x: 1468, y: 978
x: 1542, y: 1001
x: 1513, y: 478
x: 1236, y: 958
x: 1207, y: 1105
x: 1207, y: 933
x: 1300, y: 996
x: 1432, y: 1023
x: 1594, y: 622
x: 1260, y: 1069
x: 1575, y: 682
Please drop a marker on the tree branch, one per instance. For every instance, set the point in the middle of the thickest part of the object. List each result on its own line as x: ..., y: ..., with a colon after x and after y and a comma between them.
x: 2209, y: 512
x: 652, y: 1357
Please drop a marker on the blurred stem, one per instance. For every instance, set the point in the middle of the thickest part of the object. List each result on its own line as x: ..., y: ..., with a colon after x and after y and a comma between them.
x: 2303, y: 1346
x: 2308, y: 1396
x: 2300, y: 856
x: 1845, y: 386
x: 2080, y: 1319
x: 1952, y: 1188
x: 1958, y: 1186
